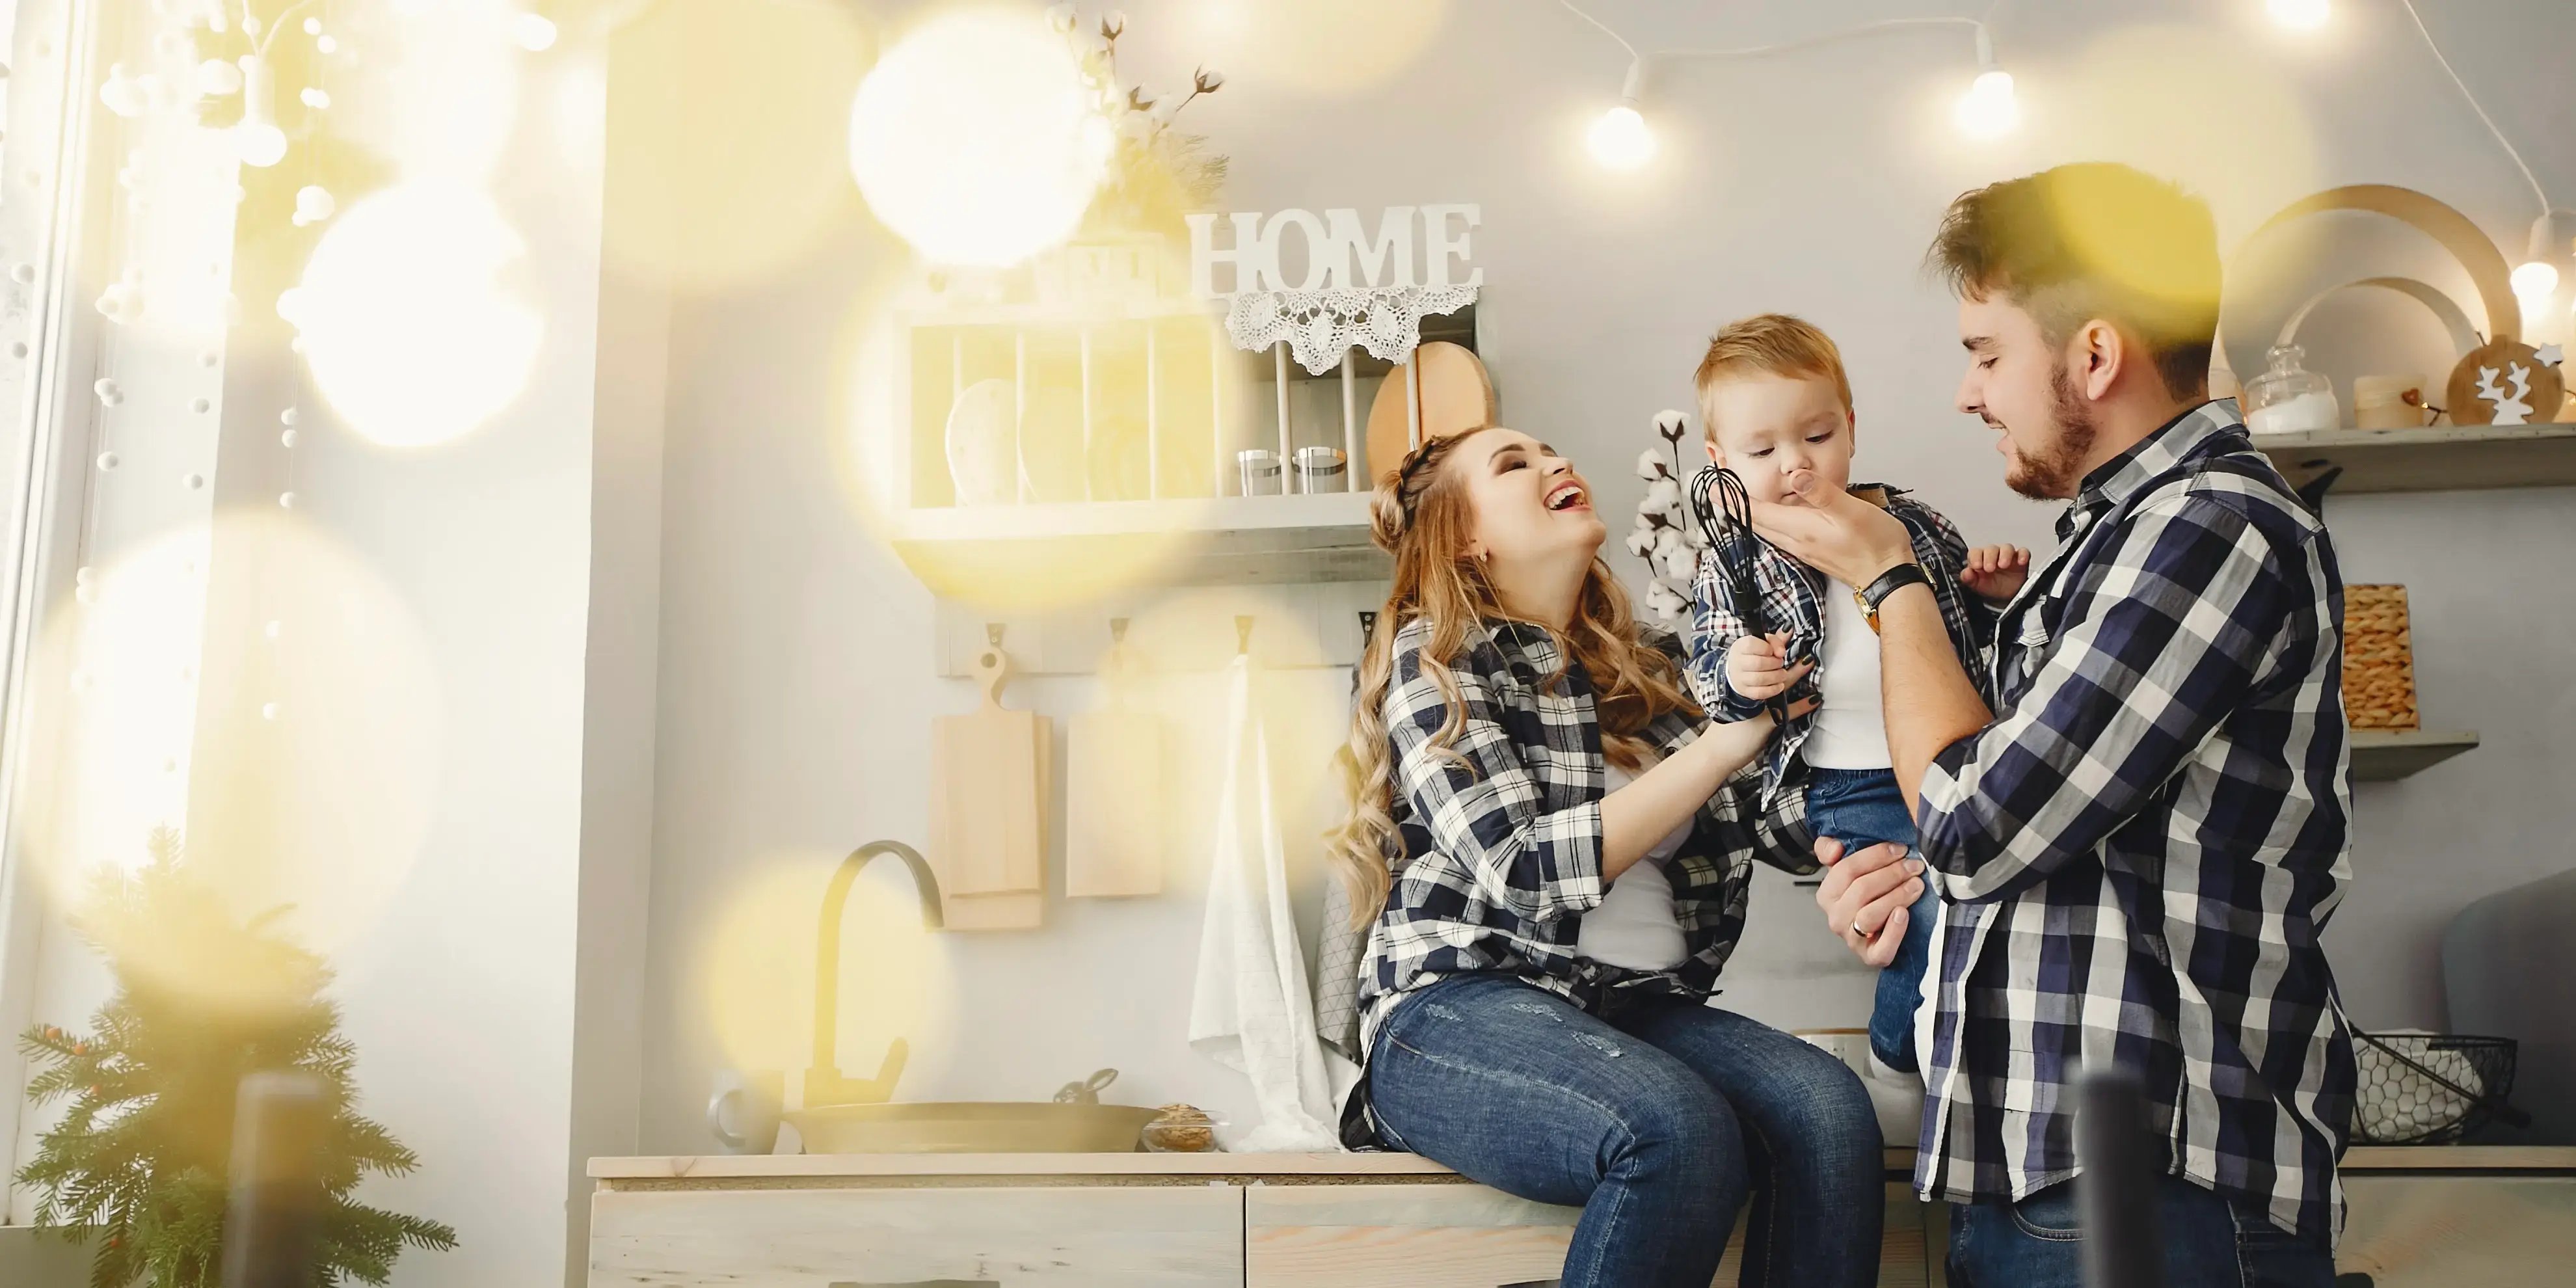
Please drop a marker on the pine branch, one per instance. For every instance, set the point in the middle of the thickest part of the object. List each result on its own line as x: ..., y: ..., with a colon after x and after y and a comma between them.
x: 137, y: 1162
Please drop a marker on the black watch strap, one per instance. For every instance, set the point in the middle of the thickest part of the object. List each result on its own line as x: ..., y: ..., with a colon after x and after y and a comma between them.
x: 1888, y: 583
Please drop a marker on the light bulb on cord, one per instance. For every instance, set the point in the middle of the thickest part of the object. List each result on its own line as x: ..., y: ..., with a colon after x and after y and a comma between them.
x: 1620, y: 139
x: 1989, y: 109
x: 2299, y: 15
x: 257, y: 140
x: 2535, y: 281
x: 2536, y: 278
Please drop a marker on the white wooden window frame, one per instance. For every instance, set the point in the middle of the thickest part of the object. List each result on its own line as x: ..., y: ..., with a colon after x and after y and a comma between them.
x: 50, y: 182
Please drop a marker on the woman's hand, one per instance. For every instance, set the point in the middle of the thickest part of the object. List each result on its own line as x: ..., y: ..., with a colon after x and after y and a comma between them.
x: 1664, y: 797
x: 1759, y: 669
x: 1734, y: 744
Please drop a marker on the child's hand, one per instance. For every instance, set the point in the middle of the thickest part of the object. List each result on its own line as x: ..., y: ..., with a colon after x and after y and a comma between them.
x: 1759, y: 669
x: 1996, y: 572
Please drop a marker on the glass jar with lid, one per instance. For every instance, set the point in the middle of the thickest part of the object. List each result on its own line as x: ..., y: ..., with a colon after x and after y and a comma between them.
x: 2288, y: 398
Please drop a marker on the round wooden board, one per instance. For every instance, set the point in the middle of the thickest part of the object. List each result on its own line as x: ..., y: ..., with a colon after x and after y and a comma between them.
x: 2543, y: 387
x: 1456, y: 395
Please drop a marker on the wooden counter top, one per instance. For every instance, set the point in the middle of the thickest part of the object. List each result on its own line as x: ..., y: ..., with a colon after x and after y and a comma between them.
x: 1312, y: 1167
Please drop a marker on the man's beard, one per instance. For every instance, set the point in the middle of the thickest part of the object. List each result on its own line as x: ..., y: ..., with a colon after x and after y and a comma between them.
x: 2053, y: 474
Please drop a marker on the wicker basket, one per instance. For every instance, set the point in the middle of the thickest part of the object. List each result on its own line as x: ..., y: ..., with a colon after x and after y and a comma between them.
x: 2378, y: 659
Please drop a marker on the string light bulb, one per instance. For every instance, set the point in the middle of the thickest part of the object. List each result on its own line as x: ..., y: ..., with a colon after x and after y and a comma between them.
x: 1989, y: 109
x: 2536, y: 278
x: 1620, y: 139
x: 2534, y: 281
x: 2299, y: 15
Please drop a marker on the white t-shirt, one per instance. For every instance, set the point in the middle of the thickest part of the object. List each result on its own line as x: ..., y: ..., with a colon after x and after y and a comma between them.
x: 1635, y: 926
x: 1851, y: 722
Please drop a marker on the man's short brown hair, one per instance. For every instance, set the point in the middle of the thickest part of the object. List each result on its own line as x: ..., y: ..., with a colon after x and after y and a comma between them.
x: 1774, y: 344
x: 2094, y: 240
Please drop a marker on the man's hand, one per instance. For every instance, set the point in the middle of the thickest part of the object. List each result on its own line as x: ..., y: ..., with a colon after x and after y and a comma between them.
x: 1837, y: 534
x: 1996, y: 572
x: 1759, y: 669
x: 1867, y: 895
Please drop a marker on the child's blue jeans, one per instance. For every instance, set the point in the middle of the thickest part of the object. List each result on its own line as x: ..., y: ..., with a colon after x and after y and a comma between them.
x: 1863, y: 807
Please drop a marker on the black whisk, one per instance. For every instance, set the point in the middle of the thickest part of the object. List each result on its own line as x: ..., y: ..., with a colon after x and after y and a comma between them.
x: 1725, y: 513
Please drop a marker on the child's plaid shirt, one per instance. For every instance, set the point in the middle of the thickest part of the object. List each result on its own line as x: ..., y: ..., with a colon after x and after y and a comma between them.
x: 1792, y: 596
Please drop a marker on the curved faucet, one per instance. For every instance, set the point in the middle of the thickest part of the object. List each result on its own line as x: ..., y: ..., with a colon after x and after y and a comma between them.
x: 824, y: 1084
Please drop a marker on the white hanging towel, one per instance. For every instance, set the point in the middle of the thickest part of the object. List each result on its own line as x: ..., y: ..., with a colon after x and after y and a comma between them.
x: 1252, y: 1010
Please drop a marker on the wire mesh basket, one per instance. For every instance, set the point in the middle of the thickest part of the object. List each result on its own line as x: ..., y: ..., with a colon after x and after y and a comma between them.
x: 2430, y: 1088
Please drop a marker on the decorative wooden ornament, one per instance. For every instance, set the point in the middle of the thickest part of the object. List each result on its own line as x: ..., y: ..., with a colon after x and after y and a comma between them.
x: 2506, y: 382
x: 1451, y: 393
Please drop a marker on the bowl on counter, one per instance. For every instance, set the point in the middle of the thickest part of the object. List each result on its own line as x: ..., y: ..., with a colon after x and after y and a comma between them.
x: 966, y: 1127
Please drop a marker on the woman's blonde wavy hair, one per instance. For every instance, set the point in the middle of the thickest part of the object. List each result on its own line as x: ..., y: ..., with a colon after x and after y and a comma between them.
x: 1421, y: 515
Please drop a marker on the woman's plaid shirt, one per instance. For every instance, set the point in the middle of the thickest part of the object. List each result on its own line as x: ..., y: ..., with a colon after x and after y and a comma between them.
x: 1502, y: 831
x: 2143, y: 848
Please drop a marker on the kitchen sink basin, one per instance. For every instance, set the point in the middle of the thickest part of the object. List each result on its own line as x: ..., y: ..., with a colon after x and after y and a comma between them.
x: 1003, y: 1127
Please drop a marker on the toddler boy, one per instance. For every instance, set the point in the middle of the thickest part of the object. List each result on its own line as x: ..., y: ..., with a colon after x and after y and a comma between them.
x: 1777, y: 408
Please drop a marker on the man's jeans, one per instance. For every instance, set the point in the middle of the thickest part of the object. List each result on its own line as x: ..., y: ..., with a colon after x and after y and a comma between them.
x: 2208, y: 1242
x: 1657, y: 1122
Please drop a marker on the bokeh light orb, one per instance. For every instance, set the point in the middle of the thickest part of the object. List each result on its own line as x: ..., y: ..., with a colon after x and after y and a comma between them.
x: 411, y: 334
x: 300, y: 759
x: 975, y: 139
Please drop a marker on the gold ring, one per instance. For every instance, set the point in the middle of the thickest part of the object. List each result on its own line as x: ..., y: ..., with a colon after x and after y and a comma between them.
x: 1857, y: 930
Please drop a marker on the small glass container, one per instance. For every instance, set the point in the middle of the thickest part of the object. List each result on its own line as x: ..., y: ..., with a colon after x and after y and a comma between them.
x: 1182, y: 1129
x: 2288, y: 398
x: 1260, y: 467
x: 1321, y: 469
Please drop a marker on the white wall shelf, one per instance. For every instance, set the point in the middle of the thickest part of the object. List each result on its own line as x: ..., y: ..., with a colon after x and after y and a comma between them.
x: 2446, y: 458
x: 2386, y: 755
x: 1235, y: 540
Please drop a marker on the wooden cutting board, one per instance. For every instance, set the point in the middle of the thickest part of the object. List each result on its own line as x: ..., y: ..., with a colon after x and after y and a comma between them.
x: 1456, y: 394
x: 988, y: 784
x: 1113, y: 800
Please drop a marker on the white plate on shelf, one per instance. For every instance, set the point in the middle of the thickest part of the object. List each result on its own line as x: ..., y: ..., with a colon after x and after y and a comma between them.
x: 984, y: 444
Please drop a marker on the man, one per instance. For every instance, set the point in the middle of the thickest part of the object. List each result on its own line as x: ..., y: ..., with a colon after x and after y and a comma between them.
x: 2140, y: 844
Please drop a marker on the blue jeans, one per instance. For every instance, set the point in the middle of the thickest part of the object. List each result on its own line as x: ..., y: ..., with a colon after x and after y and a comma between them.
x: 2208, y: 1242
x: 1658, y: 1121
x: 1863, y: 807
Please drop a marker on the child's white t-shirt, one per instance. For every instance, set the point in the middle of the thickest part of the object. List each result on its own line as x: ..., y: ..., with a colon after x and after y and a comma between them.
x: 1851, y: 720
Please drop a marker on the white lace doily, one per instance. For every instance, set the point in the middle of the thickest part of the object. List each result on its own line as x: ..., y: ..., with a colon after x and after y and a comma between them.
x: 1320, y: 326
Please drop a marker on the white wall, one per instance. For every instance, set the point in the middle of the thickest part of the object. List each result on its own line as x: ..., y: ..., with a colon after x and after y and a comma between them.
x: 487, y: 1043
x: 795, y: 660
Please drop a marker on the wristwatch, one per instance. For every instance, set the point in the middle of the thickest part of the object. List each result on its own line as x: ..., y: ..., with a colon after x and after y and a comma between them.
x: 1869, y: 597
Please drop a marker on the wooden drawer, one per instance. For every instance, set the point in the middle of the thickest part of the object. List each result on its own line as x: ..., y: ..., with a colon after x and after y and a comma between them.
x: 2459, y: 1231
x: 1400, y: 1236
x: 960, y: 1237
x: 1464, y: 1236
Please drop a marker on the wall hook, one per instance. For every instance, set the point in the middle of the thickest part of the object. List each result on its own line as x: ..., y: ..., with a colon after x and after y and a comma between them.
x: 1242, y: 635
x: 993, y: 634
x: 1117, y: 630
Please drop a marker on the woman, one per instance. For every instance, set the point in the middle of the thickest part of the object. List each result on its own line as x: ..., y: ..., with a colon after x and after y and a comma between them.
x: 1538, y: 827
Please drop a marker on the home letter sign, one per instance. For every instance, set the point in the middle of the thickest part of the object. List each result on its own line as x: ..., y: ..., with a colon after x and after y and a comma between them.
x: 1338, y: 251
